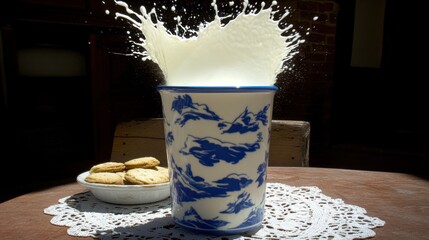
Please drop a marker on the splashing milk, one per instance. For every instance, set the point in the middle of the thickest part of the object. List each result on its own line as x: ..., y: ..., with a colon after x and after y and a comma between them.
x: 249, y: 50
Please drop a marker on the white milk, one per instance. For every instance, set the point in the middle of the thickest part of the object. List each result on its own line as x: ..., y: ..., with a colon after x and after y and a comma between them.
x: 250, y: 50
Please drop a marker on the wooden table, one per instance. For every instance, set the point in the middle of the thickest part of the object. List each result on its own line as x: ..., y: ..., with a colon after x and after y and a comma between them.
x: 401, y: 200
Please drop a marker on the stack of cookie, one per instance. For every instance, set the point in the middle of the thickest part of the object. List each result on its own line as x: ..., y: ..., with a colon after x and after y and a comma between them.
x: 145, y: 170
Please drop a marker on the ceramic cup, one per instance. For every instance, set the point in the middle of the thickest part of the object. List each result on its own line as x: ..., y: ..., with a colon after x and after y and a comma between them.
x: 217, y: 142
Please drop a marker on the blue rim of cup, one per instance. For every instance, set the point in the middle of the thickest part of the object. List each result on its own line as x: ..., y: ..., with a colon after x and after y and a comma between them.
x: 209, y: 89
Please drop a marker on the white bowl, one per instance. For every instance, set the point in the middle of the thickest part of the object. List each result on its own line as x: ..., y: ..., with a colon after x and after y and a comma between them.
x: 126, y: 194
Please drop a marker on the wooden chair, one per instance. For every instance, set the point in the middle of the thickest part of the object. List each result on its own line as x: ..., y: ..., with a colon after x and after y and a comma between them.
x: 289, y: 142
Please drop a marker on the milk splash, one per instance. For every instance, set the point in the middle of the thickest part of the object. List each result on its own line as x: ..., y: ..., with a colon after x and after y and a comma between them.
x: 249, y: 50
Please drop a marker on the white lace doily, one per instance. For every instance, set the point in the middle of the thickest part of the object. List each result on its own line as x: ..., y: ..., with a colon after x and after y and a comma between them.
x: 290, y: 213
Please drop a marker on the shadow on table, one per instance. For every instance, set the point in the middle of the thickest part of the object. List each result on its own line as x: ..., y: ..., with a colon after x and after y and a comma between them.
x: 158, y: 225
x: 15, y: 189
x: 162, y: 228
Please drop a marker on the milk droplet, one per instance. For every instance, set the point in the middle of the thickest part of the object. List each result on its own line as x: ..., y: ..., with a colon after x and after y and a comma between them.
x: 107, y: 12
x: 315, y: 18
x: 231, y: 3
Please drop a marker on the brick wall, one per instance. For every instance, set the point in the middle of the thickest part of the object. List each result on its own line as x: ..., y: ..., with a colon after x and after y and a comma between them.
x: 305, y: 90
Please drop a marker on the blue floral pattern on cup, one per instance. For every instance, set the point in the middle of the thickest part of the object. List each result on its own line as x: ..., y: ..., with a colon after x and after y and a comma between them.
x: 246, y: 122
x: 189, y: 110
x: 193, y: 187
x: 211, y: 190
x: 210, y: 151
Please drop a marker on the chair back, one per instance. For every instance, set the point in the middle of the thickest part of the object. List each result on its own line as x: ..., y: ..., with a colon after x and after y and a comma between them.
x: 289, y: 144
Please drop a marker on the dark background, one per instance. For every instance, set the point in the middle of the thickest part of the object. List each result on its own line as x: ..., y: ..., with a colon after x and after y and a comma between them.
x: 54, y: 127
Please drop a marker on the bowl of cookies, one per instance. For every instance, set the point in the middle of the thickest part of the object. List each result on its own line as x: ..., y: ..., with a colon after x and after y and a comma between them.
x: 137, y: 181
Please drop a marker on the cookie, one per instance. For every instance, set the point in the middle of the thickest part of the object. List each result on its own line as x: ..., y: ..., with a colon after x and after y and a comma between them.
x: 162, y: 169
x: 108, y: 167
x: 143, y: 162
x: 146, y: 176
x: 105, y: 178
x: 122, y: 174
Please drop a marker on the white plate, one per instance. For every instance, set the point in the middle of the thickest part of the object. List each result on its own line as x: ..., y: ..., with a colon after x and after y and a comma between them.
x: 126, y: 194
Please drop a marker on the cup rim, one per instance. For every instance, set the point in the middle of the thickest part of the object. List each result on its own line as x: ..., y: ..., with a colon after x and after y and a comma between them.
x: 217, y: 88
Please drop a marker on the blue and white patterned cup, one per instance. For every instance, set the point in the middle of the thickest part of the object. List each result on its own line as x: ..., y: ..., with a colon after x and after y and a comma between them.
x: 217, y: 141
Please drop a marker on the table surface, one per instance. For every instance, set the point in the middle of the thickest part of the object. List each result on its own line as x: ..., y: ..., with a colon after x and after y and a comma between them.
x: 401, y: 200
